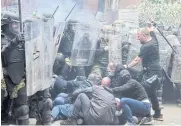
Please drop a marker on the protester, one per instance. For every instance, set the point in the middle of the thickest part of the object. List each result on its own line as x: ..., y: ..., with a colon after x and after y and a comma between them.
x: 149, y: 56
x: 134, y: 98
x: 100, y: 109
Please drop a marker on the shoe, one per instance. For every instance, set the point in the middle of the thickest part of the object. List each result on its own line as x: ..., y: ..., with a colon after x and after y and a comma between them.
x: 158, y: 116
x: 69, y: 121
x: 129, y: 124
x: 146, y: 121
x: 136, y: 120
x: 80, y: 121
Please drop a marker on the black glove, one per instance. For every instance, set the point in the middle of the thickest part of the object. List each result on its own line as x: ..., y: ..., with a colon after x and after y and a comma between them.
x: 19, y: 38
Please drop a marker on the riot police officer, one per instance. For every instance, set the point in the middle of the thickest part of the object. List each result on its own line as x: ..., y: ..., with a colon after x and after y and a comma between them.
x: 13, y: 63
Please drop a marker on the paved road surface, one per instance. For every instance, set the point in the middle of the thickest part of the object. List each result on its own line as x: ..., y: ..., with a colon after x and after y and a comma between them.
x: 171, y: 113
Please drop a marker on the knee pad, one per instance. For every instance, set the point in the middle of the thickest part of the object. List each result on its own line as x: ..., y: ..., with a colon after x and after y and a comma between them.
x: 45, y: 107
x: 45, y: 104
x: 22, y: 112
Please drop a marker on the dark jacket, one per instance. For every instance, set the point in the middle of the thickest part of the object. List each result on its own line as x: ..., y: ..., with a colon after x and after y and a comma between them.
x: 102, y: 106
x: 132, y: 89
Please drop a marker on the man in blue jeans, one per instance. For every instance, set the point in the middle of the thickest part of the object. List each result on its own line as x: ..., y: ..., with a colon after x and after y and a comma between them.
x: 134, y: 99
x: 62, y: 111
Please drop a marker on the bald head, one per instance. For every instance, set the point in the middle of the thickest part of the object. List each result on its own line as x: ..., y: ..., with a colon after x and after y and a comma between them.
x: 106, y: 81
x: 111, y: 66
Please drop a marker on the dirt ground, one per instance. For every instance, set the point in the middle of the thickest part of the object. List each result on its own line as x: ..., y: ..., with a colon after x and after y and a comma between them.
x: 171, y: 115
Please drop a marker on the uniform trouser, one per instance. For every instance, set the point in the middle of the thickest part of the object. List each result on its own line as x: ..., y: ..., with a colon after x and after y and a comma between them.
x: 151, y: 91
x: 43, y: 107
x: 20, y: 103
x: 178, y: 92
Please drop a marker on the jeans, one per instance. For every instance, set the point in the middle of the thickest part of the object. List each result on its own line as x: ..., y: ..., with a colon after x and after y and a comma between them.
x: 151, y: 91
x: 60, y: 111
x: 60, y: 99
x: 134, y: 107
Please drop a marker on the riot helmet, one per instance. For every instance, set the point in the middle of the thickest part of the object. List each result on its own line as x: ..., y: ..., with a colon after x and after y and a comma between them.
x: 10, y: 24
x: 58, y: 64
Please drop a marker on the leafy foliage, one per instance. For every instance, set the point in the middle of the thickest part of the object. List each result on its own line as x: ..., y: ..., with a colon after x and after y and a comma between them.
x: 163, y: 12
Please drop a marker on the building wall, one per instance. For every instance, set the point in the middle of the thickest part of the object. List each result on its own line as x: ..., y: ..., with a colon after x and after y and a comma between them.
x: 124, y: 3
x: 93, y: 4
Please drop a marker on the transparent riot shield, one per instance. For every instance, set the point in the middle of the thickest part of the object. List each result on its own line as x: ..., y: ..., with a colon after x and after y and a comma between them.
x: 165, y: 50
x: 134, y: 49
x: 165, y: 56
x: 176, y: 68
x: 33, y: 52
x: 133, y: 53
x: 84, y: 45
x: 115, y: 49
x: 39, y: 54
x: 58, y: 35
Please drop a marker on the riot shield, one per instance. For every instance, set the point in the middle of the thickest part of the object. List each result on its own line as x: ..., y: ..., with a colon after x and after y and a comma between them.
x: 133, y: 53
x: 39, y: 54
x: 115, y: 49
x: 165, y: 56
x: 165, y: 51
x: 84, y: 45
x: 58, y: 35
x: 134, y: 49
x: 176, y: 68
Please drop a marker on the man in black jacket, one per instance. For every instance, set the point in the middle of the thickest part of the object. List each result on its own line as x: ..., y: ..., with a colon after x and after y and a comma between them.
x: 134, y: 98
x: 100, y: 109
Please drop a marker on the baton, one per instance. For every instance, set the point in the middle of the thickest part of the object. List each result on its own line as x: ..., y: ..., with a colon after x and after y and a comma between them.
x: 20, y: 16
x: 154, y: 24
x: 70, y: 12
x: 53, y: 13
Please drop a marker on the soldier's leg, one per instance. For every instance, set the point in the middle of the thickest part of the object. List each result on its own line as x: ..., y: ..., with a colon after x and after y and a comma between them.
x: 19, y: 99
x: 21, y: 110
x: 178, y: 93
x: 44, y: 107
x: 32, y: 106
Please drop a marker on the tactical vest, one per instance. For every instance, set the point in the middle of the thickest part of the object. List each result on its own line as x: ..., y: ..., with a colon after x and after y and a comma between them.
x: 14, y: 63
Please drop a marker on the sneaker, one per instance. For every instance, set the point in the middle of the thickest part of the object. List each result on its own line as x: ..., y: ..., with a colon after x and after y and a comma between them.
x: 69, y: 121
x: 129, y: 124
x: 136, y: 120
x: 80, y: 121
x: 158, y: 117
x: 146, y: 121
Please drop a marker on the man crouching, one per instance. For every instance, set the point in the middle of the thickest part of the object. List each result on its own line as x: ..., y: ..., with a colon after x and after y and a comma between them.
x: 134, y: 101
x: 99, y: 109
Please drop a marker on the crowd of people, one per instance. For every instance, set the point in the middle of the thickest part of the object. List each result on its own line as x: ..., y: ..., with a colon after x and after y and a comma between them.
x: 106, y: 92
x: 117, y: 97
